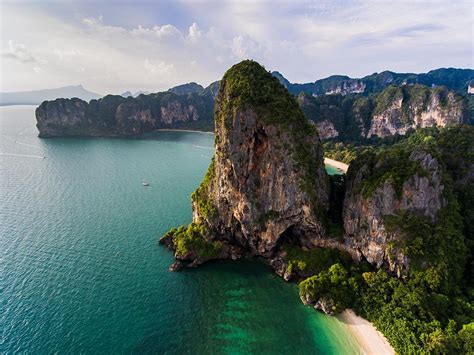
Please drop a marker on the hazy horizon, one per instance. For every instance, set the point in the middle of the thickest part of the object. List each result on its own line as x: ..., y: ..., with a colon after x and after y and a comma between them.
x: 160, y: 45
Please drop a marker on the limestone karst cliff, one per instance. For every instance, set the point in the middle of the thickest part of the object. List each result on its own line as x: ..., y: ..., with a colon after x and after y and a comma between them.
x: 452, y: 78
x: 377, y: 191
x: 399, y: 109
x: 267, y: 187
x: 267, y: 181
x: 268, y: 174
x: 394, y: 111
x: 115, y: 115
x: 378, y: 105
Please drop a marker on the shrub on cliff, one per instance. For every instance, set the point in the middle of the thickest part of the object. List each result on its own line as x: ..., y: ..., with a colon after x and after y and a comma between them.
x: 192, y: 242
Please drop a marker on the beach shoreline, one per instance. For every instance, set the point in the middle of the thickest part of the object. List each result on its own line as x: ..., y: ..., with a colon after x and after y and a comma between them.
x: 336, y: 164
x: 370, y: 340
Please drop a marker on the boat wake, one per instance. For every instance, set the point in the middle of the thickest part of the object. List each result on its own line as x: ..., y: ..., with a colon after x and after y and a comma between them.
x: 202, y: 147
x: 23, y: 155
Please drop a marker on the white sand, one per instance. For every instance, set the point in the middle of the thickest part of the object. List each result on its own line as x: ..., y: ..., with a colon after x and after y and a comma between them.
x: 337, y: 164
x: 370, y: 339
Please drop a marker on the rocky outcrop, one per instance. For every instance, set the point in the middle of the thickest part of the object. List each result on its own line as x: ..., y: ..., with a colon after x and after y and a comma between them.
x: 323, y: 304
x: 371, y: 200
x: 395, y: 111
x: 326, y: 129
x: 401, y: 109
x: 268, y: 178
x: 119, y: 116
x: 351, y: 86
x: 64, y: 116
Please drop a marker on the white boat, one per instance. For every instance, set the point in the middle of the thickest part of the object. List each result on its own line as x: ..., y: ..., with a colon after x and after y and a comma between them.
x: 144, y: 183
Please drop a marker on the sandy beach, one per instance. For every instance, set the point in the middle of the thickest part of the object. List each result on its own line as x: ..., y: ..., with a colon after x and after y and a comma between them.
x: 370, y: 339
x: 337, y: 164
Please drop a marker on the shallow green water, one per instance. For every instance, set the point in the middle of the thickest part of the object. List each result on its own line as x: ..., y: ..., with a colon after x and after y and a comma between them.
x: 331, y: 170
x: 82, y: 271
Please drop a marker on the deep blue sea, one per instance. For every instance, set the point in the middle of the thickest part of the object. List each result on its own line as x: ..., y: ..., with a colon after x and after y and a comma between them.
x: 82, y: 272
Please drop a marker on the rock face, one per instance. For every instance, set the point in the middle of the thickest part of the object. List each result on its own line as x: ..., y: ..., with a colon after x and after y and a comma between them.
x: 470, y: 88
x: 351, y: 86
x: 67, y: 115
x: 453, y: 79
x: 116, y: 115
x: 267, y: 180
x: 326, y: 129
x: 401, y: 109
x: 338, y: 104
x: 369, y: 204
x: 394, y: 111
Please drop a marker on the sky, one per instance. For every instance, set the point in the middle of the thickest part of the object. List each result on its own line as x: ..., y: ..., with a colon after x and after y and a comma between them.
x: 115, y: 46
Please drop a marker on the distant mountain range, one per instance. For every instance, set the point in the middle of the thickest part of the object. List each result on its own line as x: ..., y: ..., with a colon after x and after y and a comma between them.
x: 342, y: 108
x: 36, y: 97
x: 460, y: 80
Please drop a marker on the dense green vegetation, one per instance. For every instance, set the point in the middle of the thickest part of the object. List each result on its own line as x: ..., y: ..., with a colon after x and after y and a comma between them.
x: 310, y: 262
x: 454, y: 79
x: 248, y: 85
x: 431, y: 309
x: 343, y: 112
x: 333, y: 283
x: 200, y: 197
x: 414, y: 314
x: 393, y: 165
x: 193, y: 240
x: 345, y: 152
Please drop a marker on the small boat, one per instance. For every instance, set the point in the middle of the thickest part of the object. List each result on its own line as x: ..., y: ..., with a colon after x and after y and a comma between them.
x: 144, y: 183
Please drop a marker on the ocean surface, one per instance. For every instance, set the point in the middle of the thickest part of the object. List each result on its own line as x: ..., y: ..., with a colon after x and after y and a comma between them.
x: 82, y: 272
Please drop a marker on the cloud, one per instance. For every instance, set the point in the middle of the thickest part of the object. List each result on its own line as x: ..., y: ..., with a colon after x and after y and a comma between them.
x: 194, y: 31
x: 243, y: 47
x: 18, y: 52
x: 417, y: 30
x: 161, y: 32
x: 157, y: 67
x: 152, y: 50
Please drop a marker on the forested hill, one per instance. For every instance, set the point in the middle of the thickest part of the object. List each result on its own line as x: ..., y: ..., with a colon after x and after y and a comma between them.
x: 453, y: 79
x: 343, y: 108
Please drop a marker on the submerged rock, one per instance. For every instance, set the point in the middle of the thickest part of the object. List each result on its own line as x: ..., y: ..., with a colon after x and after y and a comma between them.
x: 176, y: 266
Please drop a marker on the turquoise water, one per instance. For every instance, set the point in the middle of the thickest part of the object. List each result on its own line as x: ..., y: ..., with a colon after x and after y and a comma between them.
x: 82, y: 271
x: 331, y: 170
